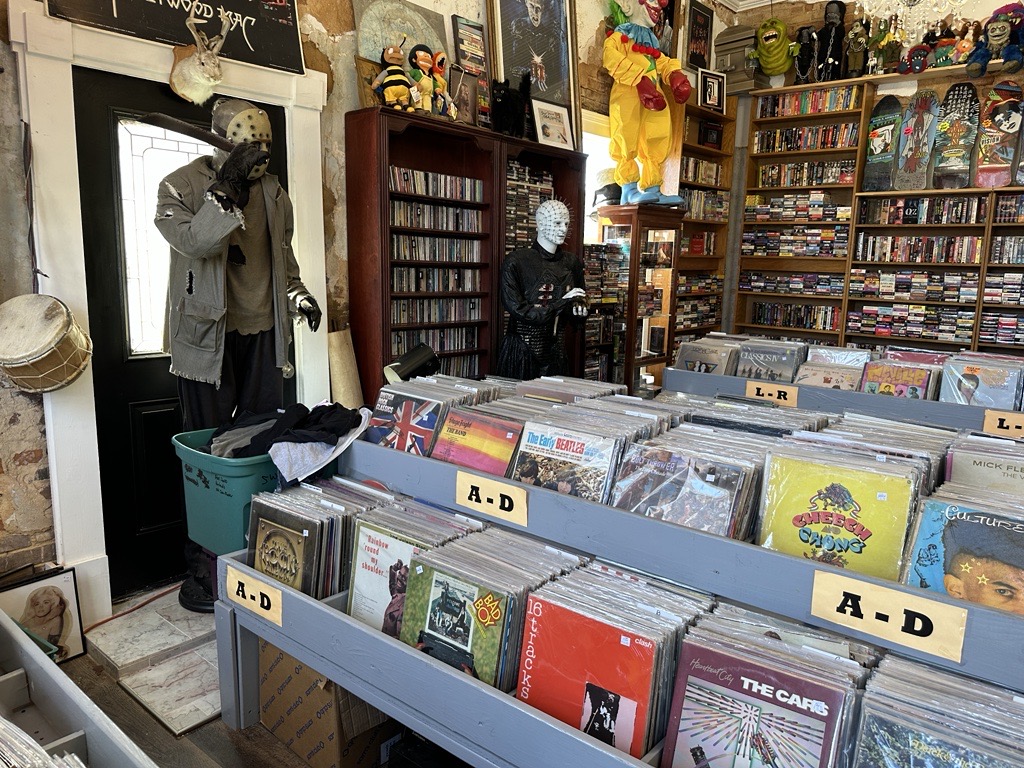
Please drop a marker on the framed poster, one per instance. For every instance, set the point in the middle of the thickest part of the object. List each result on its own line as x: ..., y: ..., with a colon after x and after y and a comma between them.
x: 536, y: 38
x: 462, y: 87
x: 366, y: 73
x: 471, y: 56
x: 698, y: 35
x: 380, y: 23
x: 711, y: 90
x: 48, y: 608
x: 553, y: 125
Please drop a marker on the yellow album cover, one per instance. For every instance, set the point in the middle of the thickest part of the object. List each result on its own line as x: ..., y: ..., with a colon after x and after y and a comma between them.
x: 843, y: 515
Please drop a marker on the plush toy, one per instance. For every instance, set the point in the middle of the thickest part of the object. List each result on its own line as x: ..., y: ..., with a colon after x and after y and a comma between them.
x: 807, y: 43
x: 640, y: 125
x: 1000, y: 39
x: 392, y: 83
x: 917, y: 60
x: 969, y: 34
x: 944, y: 48
x: 857, y: 48
x: 425, y: 88
x: 886, y: 44
x: 830, y: 42
x: 773, y: 52
x: 443, y: 103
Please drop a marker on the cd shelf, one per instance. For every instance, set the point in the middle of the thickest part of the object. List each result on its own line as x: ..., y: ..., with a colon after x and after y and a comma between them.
x: 485, y: 727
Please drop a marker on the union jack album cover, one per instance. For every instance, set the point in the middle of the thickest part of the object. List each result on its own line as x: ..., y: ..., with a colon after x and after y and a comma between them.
x: 405, y: 422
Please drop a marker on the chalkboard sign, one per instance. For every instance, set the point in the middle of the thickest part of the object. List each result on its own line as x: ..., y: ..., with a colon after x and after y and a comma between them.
x: 263, y: 32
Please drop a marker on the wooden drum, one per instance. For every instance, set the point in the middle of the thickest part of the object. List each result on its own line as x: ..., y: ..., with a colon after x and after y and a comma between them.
x: 42, y: 348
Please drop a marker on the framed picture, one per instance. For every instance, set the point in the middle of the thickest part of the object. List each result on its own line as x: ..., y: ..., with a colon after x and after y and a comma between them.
x: 366, y: 71
x: 538, y: 39
x: 470, y: 46
x: 709, y: 134
x: 48, y: 608
x: 462, y: 87
x: 711, y: 90
x: 553, y: 125
x: 698, y: 35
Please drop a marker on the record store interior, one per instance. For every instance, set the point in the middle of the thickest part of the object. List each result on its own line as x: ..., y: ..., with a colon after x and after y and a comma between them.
x: 511, y: 384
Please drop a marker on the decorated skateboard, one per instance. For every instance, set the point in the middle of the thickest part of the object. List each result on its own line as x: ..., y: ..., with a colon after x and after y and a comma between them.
x: 917, y: 137
x: 955, y: 136
x: 882, y: 143
x: 996, y: 147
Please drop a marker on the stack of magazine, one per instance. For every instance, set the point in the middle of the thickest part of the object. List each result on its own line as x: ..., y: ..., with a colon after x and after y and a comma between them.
x: 302, y: 536
x: 600, y: 652
x: 407, y: 414
x: 755, y: 690
x: 465, y: 601
x: 385, y: 540
x: 916, y: 715
x: 839, y: 507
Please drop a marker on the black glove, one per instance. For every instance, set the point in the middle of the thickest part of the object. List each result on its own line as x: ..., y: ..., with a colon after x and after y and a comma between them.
x: 311, y: 311
x: 232, y: 185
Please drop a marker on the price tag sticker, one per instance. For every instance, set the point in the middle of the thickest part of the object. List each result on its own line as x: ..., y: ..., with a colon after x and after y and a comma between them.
x: 1003, y: 423
x: 780, y: 394
x: 915, y: 622
x: 505, y: 501
x: 253, y: 594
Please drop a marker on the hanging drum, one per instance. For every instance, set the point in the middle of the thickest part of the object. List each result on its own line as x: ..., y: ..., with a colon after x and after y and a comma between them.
x: 42, y: 348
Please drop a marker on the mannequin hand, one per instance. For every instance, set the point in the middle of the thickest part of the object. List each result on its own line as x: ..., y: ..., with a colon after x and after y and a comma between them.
x: 680, y: 85
x: 580, y: 309
x: 311, y: 311
x: 232, y: 184
x: 575, y: 293
x: 649, y: 95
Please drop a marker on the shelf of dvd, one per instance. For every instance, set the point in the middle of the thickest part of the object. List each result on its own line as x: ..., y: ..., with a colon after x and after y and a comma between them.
x: 428, y: 232
x: 61, y: 717
x: 478, y: 723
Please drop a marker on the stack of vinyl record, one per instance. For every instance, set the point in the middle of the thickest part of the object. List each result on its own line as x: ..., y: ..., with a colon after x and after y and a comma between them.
x: 385, y: 540
x: 19, y: 750
x: 976, y: 378
x: 913, y: 714
x: 465, y: 600
x: 986, y: 462
x: 755, y: 690
x: 567, y: 389
x: 600, y: 652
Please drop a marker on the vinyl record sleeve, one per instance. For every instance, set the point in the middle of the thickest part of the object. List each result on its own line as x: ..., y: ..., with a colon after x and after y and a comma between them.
x: 898, y: 380
x: 405, y: 422
x: 829, y: 376
x: 728, y: 710
x: 477, y: 441
x: 584, y: 461
x: 838, y: 514
x: 588, y: 673
x: 970, y: 382
x: 380, y: 576
x: 285, y: 541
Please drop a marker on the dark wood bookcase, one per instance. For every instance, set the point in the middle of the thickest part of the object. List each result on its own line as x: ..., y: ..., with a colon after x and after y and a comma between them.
x: 458, y: 315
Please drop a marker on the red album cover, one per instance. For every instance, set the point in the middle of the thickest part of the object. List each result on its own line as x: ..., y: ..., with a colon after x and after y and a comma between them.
x: 736, y: 711
x: 589, y: 674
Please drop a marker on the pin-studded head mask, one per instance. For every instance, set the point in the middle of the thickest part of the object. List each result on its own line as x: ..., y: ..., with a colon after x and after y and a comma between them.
x: 534, y: 9
x: 239, y: 122
x: 552, y: 221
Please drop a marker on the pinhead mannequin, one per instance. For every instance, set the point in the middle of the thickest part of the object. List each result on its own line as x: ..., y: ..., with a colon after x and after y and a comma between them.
x: 552, y: 218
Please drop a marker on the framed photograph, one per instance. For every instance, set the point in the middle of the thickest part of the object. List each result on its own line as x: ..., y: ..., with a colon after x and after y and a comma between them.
x: 48, y: 608
x: 698, y: 35
x: 711, y: 90
x: 537, y: 39
x: 553, y: 125
x: 709, y: 134
x: 366, y: 71
x: 462, y: 87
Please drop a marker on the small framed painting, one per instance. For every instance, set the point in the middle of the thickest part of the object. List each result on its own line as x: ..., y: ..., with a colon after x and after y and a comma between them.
x: 462, y: 87
x: 552, y: 121
x: 711, y: 90
x: 366, y: 72
x: 48, y: 608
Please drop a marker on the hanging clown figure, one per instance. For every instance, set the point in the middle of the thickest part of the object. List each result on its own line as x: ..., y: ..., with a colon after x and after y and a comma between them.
x: 639, y: 121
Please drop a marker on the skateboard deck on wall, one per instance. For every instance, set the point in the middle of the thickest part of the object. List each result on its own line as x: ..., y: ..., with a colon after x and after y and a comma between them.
x: 882, y: 144
x: 955, y: 136
x: 998, y: 135
x: 917, y: 137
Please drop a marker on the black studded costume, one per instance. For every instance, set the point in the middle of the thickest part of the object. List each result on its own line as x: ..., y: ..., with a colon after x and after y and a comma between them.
x: 533, y: 283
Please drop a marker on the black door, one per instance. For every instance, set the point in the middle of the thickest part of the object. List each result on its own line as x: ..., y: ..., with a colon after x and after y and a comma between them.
x: 137, y: 410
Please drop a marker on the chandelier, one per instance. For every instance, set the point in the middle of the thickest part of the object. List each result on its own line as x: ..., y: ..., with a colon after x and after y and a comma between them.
x: 913, y: 17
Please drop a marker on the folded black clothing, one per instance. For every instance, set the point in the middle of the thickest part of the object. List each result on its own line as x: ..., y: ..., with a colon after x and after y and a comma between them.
x: 326, y: 423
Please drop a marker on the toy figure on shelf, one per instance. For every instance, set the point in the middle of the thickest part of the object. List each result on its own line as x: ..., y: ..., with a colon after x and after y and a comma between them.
x: 773, y: 52
x: 917, y: 60
x: 944, y: 48
x: 443, y: 102
x: 541, y: 285
x: 425, y: 87
x: 1000, y: 39
x: 640, y: 125
x: 392, y: 83
x: 969, y: 34
x: 886, y: 45
x: 807, y: 44
x: 830, y: 42
x: 857, y: 48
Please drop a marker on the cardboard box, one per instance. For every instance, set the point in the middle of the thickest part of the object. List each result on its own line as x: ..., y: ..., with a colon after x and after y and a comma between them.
x: 319, y: 721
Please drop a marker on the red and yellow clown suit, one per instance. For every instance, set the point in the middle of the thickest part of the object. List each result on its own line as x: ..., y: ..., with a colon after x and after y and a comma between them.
x: 640, y: 125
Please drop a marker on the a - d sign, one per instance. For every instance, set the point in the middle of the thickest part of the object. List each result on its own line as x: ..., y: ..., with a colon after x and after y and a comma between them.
x: 491, y: 497
x: 897, y: 617
x: 254, y: 595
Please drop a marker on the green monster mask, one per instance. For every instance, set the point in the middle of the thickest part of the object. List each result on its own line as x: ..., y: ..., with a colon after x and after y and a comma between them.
x: 774, y: 52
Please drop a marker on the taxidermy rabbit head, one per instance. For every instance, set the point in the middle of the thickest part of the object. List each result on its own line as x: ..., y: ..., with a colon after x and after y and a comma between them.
x: 196, y: 69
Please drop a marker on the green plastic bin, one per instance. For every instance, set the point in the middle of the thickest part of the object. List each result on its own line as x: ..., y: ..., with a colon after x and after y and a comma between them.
x: 219, y: 491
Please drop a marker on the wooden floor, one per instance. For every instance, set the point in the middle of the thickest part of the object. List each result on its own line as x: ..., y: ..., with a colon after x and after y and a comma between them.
x: 213, y: 745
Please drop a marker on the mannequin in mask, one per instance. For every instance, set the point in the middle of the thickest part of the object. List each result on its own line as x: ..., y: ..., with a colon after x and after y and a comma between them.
x: 542, y: 287
x: 233, y: 289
